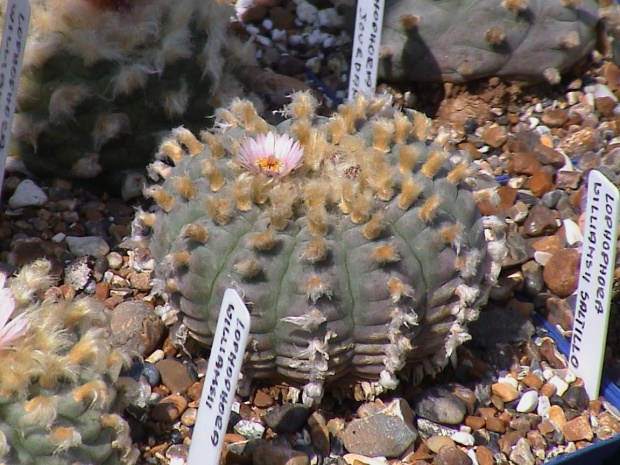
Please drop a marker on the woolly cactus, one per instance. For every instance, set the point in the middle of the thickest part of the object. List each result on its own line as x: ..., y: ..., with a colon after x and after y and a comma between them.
x: 461, y: 40
x: 104, y: 79
x: 357, y: 244
x: 57, y: 394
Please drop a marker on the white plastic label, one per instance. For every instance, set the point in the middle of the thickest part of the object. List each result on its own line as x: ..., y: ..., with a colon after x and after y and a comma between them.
x: 16, y: 20
x: 366, y: 44
x: 598, y: 259
x: 229, y: 341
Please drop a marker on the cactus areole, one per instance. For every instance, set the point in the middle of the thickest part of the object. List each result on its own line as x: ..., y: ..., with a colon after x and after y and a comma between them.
x: 355, y: 242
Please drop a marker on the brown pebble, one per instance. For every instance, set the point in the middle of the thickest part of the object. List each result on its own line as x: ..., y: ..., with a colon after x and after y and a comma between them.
x: 541, y: 182
x: 262, y: 399
x: 546, y: 428
x: 549, y: 244
x: 174, y: 375
x: 561, y: 273
x: 540, y: 220
x: 554, y: 117
x: 605, y: 105
x: 484, y: 456
x: 551, y: 354
x: 508, y: 440
x: 549, y: 156
x: 496, y: 425
x: 548, y: 390
x: 436, y: 443
x: 532, y: 381
x: 567, y: 179
x: 282, y: 18
x: 451, y: 456
x: 169, y: 409
x: 474, y: 422
x: 525, y: 163
x: 578, y: 429
x: 581, y: 141
x: 505, y: 391
x: 557, y: 416
x: 195, y: 390
x: 102, y: 291
x: 494, y: 135
x: 487, y: 412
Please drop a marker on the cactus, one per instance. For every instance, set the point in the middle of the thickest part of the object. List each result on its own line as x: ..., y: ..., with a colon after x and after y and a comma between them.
x: 356, y: 243
x: 461, y: 40
x: 104, y: 79
x: 57, y: 378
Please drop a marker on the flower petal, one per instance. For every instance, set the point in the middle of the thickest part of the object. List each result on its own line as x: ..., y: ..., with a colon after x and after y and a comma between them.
x: 7, y: 305
x: 16, y: 328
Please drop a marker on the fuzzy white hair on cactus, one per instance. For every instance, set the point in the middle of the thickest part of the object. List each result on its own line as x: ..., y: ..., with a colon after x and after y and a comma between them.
x: 17, y: 327
x: 272, y: 154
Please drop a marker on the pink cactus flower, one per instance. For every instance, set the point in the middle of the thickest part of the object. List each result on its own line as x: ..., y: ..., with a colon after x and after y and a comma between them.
x: 272, y: 154
x: 17, y: 327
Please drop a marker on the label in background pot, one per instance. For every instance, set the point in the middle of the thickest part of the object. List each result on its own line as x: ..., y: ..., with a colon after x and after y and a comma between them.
x: 596, y: 276
x: 366, y: 45
x: 16, y: 20
x: 229, y: 341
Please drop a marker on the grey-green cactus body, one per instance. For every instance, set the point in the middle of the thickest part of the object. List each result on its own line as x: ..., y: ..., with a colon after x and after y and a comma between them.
x: 100, y: 87
x: 461, y: 40
x: 377, y: 264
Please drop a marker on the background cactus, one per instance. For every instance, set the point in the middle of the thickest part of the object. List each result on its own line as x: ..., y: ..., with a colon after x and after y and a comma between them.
x: 367, y: 260
x: 57, y: 381
x: 102, y: 80
x: 461, y: 40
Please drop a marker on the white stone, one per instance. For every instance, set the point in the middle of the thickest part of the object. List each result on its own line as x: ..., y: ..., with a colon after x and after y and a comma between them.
x: 560, y: 385
x: 543, y: 406
x: 472, y: 456
x: 330, y: 18
x: 249, y: 429
x: 268, y: 24
x: 278, y: 35
x: 89, y: 245
x: 462, y: 438
x: 306, y: 12
x: 572, y: 232
x: 59, y: 237
x: 528, y: 402
x: 352, y: 458
x: 542, y: 257
x: 27, y: 194
x: 508, y: 380
x: 156, y: 356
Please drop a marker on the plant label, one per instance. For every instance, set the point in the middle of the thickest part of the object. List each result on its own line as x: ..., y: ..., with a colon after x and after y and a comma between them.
x: 16, y: 21
x: 596, y: 275
x: 366, y: 45
x: 229, y: 341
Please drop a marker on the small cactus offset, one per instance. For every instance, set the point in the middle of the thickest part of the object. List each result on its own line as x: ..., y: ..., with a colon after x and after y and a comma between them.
x: 356, y: 243
x: 104, y: 79
x: 461, y: 40
x: 58, y: 371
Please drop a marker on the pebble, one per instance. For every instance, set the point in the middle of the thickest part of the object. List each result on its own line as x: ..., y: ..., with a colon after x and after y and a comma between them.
x: 436, y: 443
x: 287, y: 418
x: 440, y: 405
x: 136, y: 326
x: 561, y: 274
x: 387, y: 433
x: 319, y: 432
x: 27, y: 194
x: 505, y: 391
x: 276, y: 455
x: 451, y: 455
x: 89, y: 245
x: 174, y: 375
x: 169, y: 409
x: 249, y: 429
x: 521, y: 453
x: 578, y: 429
x: 528, y: 401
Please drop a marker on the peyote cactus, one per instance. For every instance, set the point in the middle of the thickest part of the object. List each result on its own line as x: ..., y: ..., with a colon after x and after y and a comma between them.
x: 57, y: 379
x: 357, y: 244
x: 104, y: 79
x: 461, y: 40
